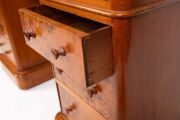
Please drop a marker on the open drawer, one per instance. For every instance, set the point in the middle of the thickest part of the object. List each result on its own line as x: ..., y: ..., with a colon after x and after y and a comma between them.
x: 81, y: 48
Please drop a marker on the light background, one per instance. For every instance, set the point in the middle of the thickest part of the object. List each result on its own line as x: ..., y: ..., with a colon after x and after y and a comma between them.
x: 38, y: 103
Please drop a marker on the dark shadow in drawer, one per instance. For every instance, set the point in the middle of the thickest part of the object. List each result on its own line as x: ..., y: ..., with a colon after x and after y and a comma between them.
x: 74, y: 21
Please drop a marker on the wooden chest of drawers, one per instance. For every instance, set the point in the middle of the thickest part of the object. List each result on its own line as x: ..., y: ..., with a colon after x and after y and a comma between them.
x: 127, y: 67
x: 23, y: 64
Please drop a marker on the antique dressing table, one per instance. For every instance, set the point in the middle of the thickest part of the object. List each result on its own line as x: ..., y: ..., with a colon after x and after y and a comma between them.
x: 26, y: 67
x: 112, y: 59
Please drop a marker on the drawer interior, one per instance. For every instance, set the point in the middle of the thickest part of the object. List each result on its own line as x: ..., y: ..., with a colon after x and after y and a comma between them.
x: 68, y: 19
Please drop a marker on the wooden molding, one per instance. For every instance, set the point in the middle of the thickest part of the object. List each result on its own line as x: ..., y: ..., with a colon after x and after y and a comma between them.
x: 112, y: 13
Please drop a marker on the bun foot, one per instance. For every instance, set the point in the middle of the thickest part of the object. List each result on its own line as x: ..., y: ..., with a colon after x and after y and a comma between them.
x: 60, y: 116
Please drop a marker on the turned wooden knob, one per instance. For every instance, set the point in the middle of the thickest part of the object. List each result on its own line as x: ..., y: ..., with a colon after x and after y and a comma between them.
x: 93, y: 90
x: 7, y: 52
x: 1, y: 44
x: 60, y: 71
x: 58, y: 52
x: 71, y: 108
x: 29, y: 35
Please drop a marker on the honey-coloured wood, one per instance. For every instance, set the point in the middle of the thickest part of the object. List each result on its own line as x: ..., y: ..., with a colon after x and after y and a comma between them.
x: 60, y: 116
x: 100, y: 3
x: 19, y: 56
x: 145, y: 82
x: 152, y: 73
x: 79, y: 12
x: 145, y: 42
x: 74, y: 108
x: 28, y: 78
x: 98, y: 96
x: 112, y: 8
x: 68, y: 40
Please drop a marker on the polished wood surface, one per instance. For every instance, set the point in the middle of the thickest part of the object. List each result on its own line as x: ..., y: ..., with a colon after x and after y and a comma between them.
x: 87, y: 45
x: 146, y: 59
x: 83, y: 44
x: 100, y: 3
x: 101, y: 101
x: 152, y: 79
x: 25, y: 57
x: 60, y: 116
x: 13, y: 44
x: 144, y: 84
x: 73, y: 106
x: 79, y: 12
x: 110, y: 8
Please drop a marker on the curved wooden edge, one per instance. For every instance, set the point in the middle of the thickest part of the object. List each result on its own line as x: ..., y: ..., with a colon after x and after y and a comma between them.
x: 28, y: 78
x: 60, y: 116
x: 113, y: 13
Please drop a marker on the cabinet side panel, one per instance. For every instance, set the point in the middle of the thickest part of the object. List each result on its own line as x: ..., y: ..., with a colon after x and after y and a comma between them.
x: 152, y: 73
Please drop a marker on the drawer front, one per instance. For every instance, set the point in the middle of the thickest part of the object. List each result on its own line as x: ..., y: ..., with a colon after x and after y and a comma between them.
x: 6, y: 49
x: 74, y: 108
x: 85, y: 47
x: 3, y: 32
x: 1, y: 38
x: 102, y: 97
x: 1, y: 17
x: 50, y: 38
x: 1, y: 44
x: 80, y: 47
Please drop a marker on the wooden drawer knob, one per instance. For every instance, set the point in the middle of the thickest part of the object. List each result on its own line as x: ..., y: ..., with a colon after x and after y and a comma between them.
x: 7, y: 52
x: 70, y: 108
x: 1, y: 44
x: 60, y: 71
x: 58, y: 52
x: 93, y: 90
x: 29, y: 35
